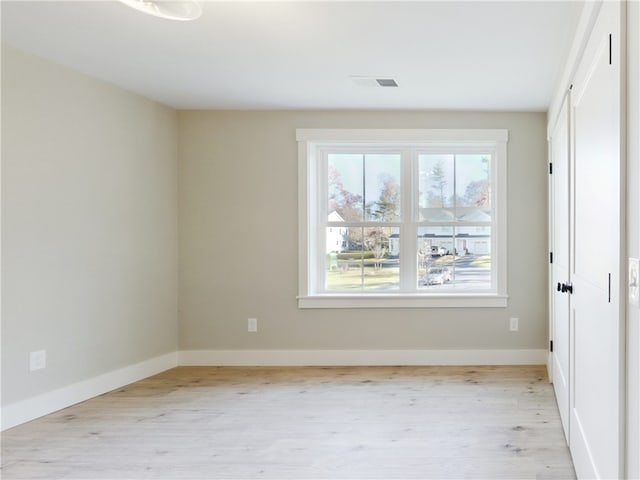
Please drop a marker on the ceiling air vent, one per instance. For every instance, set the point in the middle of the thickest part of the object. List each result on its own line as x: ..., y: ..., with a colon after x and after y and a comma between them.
x: 387, y: 82
x: 373, y: 81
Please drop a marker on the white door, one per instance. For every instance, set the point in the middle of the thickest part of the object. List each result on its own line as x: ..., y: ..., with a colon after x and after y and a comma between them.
x: 560, y: 194
x: 597, y: 369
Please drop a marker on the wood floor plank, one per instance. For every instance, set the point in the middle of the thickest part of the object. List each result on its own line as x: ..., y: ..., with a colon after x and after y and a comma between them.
x: 304, y: 422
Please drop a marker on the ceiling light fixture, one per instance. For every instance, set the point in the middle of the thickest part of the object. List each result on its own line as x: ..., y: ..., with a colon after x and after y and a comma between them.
x: 181, y: 10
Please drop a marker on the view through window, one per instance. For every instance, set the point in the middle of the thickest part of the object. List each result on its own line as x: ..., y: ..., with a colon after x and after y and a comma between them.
x: 452, y: 248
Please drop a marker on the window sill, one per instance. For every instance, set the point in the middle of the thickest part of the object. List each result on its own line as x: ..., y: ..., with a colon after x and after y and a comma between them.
x: 403, y: 301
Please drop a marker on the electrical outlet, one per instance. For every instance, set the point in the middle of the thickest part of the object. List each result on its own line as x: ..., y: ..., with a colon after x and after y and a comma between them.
x: 37, y: 360
x: 513, y: 324
x: 252, y: 325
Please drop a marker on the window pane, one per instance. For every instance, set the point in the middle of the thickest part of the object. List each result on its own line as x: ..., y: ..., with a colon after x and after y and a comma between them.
x: 473, y: 188
x: 381, y: 267
x: 345, y: 186
x: 370, y: 263
x: 382, y: 187
x: 434, y: 255
x: 436, y: 187
x: 454, y: 258
x: 337, y: 239
x: 364, y: 186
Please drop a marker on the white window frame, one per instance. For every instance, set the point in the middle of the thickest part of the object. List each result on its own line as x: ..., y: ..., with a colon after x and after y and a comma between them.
x: 311, y: 186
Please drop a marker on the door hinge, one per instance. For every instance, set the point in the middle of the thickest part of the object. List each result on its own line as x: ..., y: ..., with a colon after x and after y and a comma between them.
x: 550, y: 168
x: 609, y: 49
x: 550, y: 257
x: 551, y: 346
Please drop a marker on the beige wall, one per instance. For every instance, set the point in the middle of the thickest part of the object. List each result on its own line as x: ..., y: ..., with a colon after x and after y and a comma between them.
x: 238, y: 239
x: 89, y: 229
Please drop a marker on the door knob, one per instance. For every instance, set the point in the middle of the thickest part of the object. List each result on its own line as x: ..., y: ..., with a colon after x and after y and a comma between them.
x: 565, y: 287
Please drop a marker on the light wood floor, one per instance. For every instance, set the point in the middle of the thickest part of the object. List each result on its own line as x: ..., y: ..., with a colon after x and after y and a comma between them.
x: 303, y: 423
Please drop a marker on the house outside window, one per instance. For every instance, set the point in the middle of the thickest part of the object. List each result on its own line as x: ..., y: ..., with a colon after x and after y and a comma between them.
x: 402, y: 218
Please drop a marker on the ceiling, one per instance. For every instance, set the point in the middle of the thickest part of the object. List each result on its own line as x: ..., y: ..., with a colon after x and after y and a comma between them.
x: 451, y: 55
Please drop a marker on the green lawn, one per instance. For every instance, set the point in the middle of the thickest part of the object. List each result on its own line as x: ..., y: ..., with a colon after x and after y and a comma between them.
x: 349, y: 276
x: 482, y: 261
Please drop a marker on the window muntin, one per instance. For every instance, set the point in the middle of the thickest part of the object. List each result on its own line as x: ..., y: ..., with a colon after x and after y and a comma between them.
x: 439, y: 199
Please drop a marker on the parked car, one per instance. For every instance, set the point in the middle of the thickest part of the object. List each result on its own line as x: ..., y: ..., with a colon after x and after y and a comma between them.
x: 437, y: 276
x: 438, y: 251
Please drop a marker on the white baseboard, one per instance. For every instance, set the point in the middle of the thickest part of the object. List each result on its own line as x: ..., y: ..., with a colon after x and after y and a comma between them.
x: 34, y: 407
x: 360, y: 357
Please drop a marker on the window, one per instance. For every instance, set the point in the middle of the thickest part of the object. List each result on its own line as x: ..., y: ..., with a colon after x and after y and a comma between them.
x: 402, y: 218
